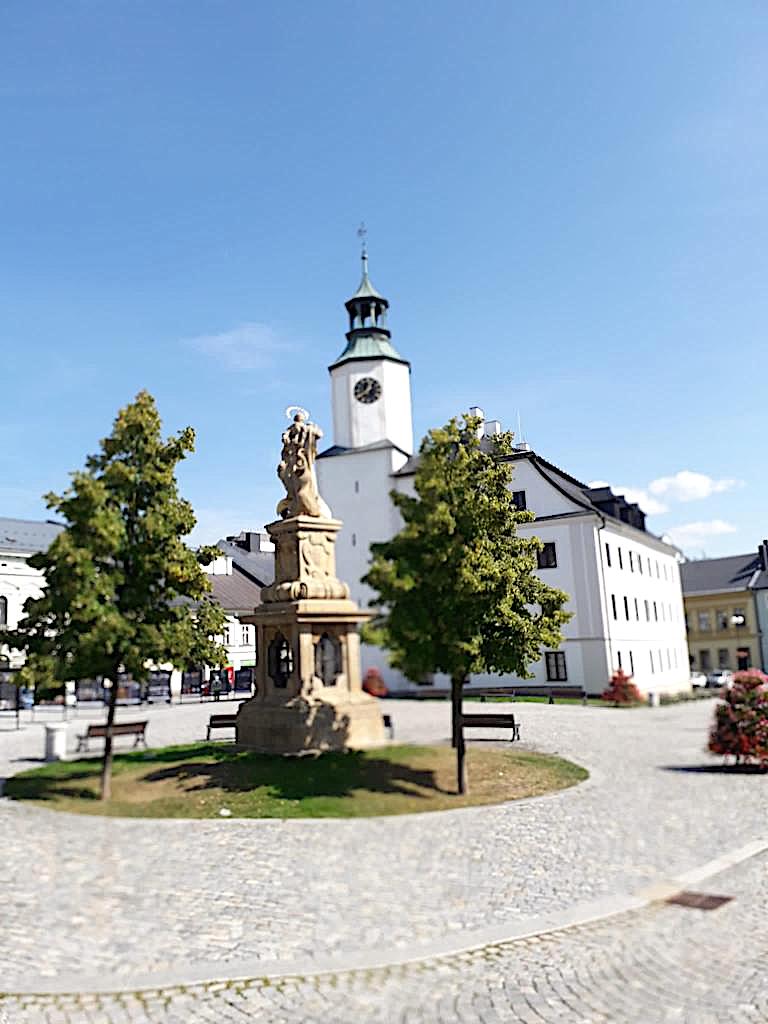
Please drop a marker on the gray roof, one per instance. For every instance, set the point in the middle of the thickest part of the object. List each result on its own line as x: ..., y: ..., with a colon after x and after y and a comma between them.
x: 27, y: 535
x: 236, y: 593
x: 734, y: 572
x: 258, y: 566
x: 338, y: 449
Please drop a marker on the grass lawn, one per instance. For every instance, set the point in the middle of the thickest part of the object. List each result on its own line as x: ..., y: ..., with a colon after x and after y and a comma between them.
x: 197, y: 781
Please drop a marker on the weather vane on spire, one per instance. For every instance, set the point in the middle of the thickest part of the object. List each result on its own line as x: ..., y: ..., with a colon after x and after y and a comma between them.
x: 362, y: 234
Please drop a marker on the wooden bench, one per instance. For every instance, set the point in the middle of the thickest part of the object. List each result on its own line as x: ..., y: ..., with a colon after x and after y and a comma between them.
x: 137, y: 729
x: 221, y: 722
x: 492, y: 722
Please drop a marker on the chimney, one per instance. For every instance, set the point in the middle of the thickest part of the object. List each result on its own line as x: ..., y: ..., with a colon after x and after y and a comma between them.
x: 477, y: 413
x: 763, y: 553
x: 492, y: 427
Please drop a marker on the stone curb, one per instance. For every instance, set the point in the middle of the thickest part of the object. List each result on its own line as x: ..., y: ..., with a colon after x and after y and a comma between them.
x: 447, y: 945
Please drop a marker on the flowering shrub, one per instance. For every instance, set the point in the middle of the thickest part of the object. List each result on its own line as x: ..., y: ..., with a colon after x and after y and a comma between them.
x: 741, y: 720
x: 621, y: 689
x: 374, y: 684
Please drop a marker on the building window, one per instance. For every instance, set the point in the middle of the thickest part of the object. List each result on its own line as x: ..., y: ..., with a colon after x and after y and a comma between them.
x: 655, y: 612
x: 723, y: 658
x: 631, y: 562
x: 631, y: 659
x: 613, y: 605
x: 661, y: 661
x: 662, y: 612
x: 608, y: 555
x: 743, y: 658
x: 649, y: 567
x: 647, y: 612
x: 556, y: 672
x: 657, y: 570
x: 669, y: 658
x: 3, y: 611
x: 705, y: 662
x: 328, y: 659
x: 652, y: 668
x: 354, y: 540
x: 626, y: 608
x: 280, y: 661
x: 704, y: 623
x: 640, y: 564
x: 637, y: 608
x: 721, y: 618
x: 518, y: 500
x: 618, y: 658
x: 621, y: 560
x: 245, y: 635
x: 357, y: 486
x: 227, y: 635
x: 547, y: 557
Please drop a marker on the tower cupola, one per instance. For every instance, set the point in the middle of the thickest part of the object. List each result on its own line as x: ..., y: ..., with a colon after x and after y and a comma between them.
x: 368, y: 336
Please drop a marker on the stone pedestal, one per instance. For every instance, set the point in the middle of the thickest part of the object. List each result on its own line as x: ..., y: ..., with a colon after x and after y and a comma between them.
x: 309, y: 693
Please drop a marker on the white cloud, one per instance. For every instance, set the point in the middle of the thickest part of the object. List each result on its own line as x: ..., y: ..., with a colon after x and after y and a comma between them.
x: 689, y: 486
x: 695, y: 535
x: 651, y: 506
x: 247, y: 347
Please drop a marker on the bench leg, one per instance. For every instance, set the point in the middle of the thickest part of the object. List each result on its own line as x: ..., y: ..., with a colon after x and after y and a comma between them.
x: 208, y: 734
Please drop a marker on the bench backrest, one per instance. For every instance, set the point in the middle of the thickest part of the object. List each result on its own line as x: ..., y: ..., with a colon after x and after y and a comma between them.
x: 501, y: 721
x: 118, y: 729
x: 222, y: 720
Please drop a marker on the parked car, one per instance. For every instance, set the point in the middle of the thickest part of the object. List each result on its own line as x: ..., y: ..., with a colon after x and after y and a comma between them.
x: 720, y: 677
x: 698, y: 679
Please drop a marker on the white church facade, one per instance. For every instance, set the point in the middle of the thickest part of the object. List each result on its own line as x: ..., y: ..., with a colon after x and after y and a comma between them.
x: 624, y: 582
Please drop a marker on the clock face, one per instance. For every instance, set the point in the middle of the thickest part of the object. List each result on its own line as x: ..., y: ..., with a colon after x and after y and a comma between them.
x: 367, y: 390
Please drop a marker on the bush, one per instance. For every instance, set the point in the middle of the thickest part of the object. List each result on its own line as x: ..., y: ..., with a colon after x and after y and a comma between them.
x: 621, y: 689
x: 374, y: 684
x: 741, y: 720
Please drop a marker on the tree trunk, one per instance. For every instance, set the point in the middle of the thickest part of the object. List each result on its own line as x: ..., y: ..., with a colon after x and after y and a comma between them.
x: 457, y: 733
x: 106, y: 764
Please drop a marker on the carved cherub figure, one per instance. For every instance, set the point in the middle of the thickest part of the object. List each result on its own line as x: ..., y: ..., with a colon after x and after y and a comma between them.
x: 297, y: 470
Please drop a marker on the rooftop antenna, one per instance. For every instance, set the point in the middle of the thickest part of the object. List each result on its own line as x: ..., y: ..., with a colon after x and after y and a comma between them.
x: 362, y: 234
x: 520, y: 437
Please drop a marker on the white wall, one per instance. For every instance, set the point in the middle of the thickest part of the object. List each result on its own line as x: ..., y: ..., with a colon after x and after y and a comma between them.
x: 356, y: 424
x: 18, y: 581
x: 357, y: 487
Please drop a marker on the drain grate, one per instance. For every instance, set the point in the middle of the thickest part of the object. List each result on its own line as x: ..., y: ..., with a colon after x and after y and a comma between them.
x: 698, y: 900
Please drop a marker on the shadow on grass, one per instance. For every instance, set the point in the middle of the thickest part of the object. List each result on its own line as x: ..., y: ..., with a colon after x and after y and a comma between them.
x: 716, y: 769
x: 298, y: 778
x: 50, y: 786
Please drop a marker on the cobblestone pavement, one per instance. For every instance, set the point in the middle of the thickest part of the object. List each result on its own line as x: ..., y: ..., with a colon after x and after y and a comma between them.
x: 662, y: 965
x: 122, y: 897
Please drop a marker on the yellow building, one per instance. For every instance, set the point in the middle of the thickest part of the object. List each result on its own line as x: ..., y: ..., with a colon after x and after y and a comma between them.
x: 720, y: 612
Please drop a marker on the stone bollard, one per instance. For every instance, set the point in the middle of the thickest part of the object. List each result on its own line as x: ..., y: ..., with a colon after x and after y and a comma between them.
x: 654, y: 700
x: 55, y: 741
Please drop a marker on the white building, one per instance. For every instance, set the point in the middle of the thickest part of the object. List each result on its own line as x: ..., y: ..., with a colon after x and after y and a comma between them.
x: 624, y: 582
x: 19, y: 540
x: 246, y: 565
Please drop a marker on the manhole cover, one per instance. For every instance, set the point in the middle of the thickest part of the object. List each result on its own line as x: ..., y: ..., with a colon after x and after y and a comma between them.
x: 699, y: 900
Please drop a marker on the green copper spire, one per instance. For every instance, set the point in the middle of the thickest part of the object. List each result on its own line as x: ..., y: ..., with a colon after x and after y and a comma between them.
x: 368, y: 336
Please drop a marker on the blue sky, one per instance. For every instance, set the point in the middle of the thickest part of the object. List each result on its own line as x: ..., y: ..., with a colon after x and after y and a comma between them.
x: 567, y: 207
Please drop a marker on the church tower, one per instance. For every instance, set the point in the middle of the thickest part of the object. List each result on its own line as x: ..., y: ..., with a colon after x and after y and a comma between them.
x: 370, y: 380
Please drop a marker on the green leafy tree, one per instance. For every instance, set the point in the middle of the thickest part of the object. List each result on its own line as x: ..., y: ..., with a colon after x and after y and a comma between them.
x: 123, y: 590
x: 456, y: 587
